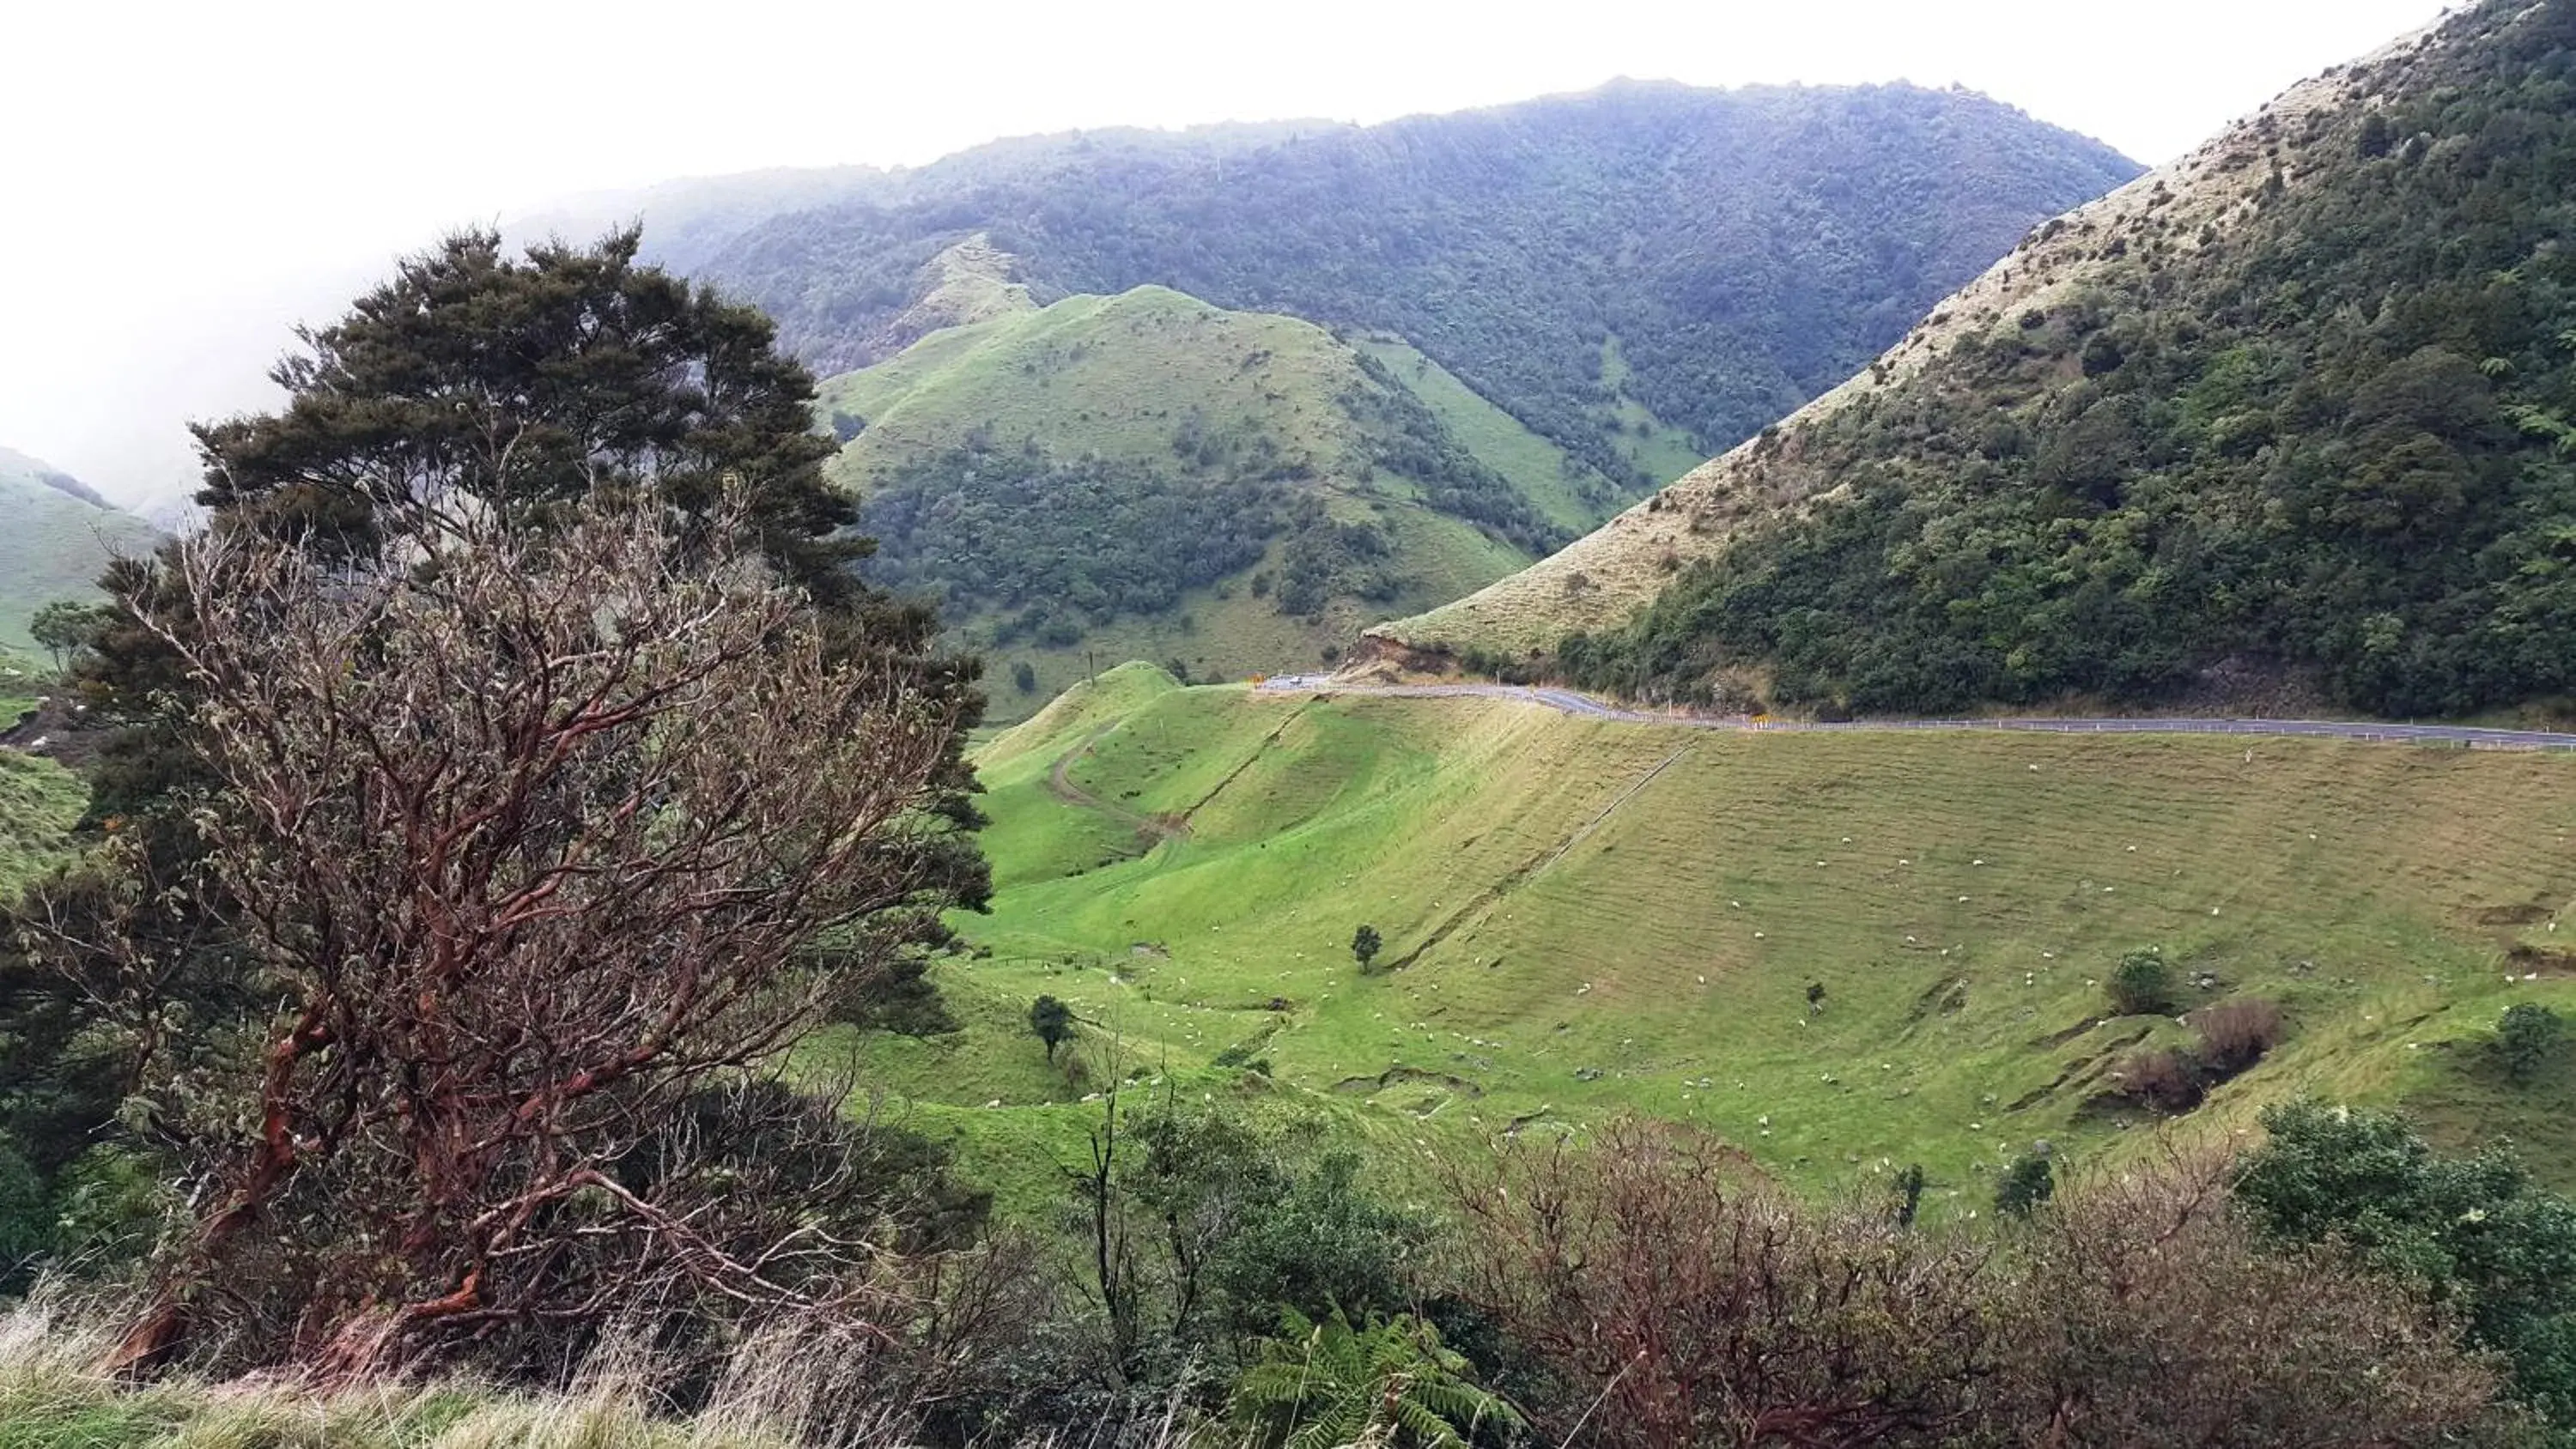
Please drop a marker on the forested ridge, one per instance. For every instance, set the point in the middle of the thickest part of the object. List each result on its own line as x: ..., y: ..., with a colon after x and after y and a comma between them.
x: 1232, y: 491
x: 2326, y: 430
x: 1745, y: 248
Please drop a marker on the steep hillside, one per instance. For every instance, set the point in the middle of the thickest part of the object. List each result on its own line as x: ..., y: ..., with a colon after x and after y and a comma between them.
x: 39, y: 802
x: 55, y: 536
x: 1149, y: 475
x: 2292, y: 415
x: 1581, y: 918
x: 1642, y: 261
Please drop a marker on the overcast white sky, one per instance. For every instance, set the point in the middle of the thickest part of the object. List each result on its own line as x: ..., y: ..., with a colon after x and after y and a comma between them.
x: 179, y: 182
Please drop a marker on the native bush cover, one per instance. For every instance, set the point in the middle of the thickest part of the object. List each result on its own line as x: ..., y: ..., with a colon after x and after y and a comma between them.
x: 2334, y: 436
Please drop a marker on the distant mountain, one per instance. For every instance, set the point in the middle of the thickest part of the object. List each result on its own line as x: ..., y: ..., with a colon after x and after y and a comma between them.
x: 56, y: 534
x: 2296, y: 412
x: 1643, y: 274
x: 1146, y: 475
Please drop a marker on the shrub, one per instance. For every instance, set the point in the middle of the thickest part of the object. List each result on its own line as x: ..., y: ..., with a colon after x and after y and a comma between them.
x: 1909, y: 1193
x: 2161, y: 1079
x: 1391, y: 1382
x: 1024, y: 677
x: 1676, y: 1299
x: 2528, y: 1038
x: 2026, y: 1184
x: 2143, y: 1309
x: 2475, y: 1234
x: 1365, y: 944
x: 2234, y: 1035
x: 2142, y: 984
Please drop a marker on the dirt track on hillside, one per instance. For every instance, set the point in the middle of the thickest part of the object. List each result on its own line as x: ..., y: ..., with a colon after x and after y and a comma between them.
x: 1152, y: 829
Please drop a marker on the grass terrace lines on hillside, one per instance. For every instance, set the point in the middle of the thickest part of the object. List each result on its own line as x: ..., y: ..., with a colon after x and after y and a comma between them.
x: 1961, y: 895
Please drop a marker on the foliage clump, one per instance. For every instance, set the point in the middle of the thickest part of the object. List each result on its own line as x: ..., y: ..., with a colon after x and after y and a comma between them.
x: 2029, y: 1181
x: 1052, y: 1021
x: 2529, y: 1038
x: 1389, y: 1381
x: 2474, y: 1234
x: 2141, y: 985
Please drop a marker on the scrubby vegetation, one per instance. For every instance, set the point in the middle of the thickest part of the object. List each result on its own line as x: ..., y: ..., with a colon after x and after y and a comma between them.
x: 2324, y: 431
x: 1154, y: 475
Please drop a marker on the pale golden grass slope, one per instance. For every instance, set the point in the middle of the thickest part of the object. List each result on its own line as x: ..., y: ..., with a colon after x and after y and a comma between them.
x: 780, y: 1391
x: 1606, y: 576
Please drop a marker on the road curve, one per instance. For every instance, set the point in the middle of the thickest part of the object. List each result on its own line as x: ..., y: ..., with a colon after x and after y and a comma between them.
x: 1567, y: 701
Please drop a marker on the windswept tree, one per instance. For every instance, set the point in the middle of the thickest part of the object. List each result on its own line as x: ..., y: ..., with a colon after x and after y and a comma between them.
x: 479, y: 387
x: 532, y: 837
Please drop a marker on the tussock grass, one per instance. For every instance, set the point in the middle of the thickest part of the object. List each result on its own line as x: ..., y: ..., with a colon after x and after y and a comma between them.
x: 783, y: 1390
x: 52, y: 1396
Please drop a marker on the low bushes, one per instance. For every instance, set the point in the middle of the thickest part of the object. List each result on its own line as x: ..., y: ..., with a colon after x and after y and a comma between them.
x: 2232, y: 1037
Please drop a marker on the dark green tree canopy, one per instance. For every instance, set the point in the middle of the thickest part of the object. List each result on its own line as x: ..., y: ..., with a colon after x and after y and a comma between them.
x: 2475, y: 1233
x: 1052, y: 1020
x: 520, y: 382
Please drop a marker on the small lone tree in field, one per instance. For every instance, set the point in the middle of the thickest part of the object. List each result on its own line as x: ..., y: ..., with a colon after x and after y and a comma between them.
x: 64, y: 628
x: 1815, y: 997
x: 1024, y: 677
x: 1052, y: 1020
x: 1365, y: 944
x: 1909, y: 1194
x: 2026, y: 1184
x: 2142, y: 984
x: 2528, y: 1039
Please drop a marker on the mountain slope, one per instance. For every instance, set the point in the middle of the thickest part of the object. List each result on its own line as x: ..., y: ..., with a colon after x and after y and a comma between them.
x: 2296, y: 408
x: 1583, y: 918
x: 55, y: 537
x: 1693, y: 263
x: 1146, y: 473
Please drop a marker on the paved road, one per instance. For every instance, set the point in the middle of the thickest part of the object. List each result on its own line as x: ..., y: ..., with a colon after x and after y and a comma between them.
x: 1570, y: 702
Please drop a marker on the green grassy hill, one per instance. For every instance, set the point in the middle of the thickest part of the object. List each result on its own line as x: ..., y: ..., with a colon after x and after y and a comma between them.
x: 1148, y: 476
x: 1589, y: 918
x: 39, y: 801
x: 55, y: 537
